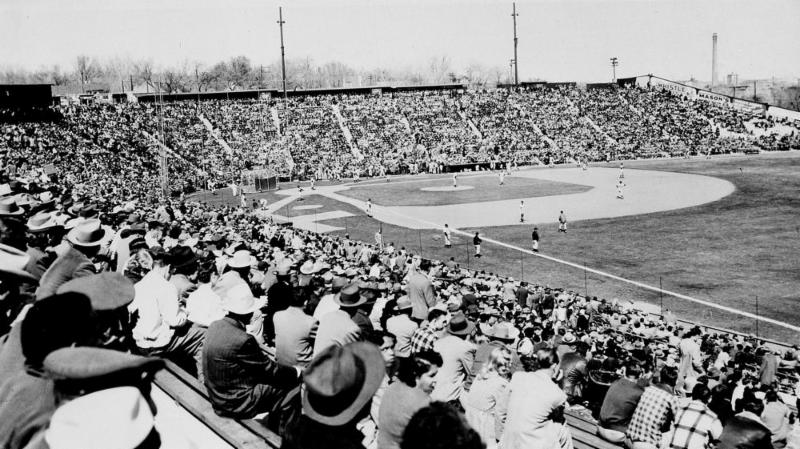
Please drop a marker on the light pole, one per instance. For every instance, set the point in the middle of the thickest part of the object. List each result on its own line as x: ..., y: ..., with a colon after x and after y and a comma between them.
x: 614, y: 64
x: 516, y: 66
x: 283, y: 54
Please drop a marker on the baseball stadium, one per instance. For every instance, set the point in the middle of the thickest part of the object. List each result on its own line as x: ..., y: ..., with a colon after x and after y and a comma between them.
x: 236, y: 255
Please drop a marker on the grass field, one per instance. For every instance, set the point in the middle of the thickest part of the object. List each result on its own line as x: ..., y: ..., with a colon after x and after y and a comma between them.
x: 732, y: 251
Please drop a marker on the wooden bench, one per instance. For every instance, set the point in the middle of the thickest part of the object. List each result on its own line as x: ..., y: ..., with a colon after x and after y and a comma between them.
x: 252, y: 434
x: 584, y: 432
x: 192, y: 396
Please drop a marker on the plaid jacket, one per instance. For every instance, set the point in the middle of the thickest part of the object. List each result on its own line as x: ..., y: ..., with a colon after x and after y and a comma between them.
x: 656, y: 408
x: 695, y: 427
x: 423, y: 339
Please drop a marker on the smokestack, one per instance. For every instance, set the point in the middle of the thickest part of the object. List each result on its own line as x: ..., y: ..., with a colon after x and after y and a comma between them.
x: 713, y: 59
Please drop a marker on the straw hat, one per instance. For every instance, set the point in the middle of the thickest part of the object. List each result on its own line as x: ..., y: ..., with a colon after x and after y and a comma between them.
x: 87, y: 234
x: 13, y: 262
x: 42, y: 221
x: 10, y: 208
x: 239, y: 300
x: 241, y: 259
x: 116, y: 418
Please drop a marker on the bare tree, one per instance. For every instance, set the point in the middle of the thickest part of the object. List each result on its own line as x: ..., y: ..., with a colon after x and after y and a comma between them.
x: 240, y: 73
x: 174, y: 80
x: 58, y: 77
x: 87, y: 70
x: 143, y: 73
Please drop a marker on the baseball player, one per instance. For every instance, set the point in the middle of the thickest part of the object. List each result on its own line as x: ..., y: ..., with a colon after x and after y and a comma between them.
x: 446, y: 232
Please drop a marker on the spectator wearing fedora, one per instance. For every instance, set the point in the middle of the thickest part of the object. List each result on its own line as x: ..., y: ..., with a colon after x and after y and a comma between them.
x: 80, y: 374
x: 402, y: 327
x: 85, y: 241
x: 162, y: 327
x: 242, y: 381
x: 43, y: 234
x: 110, y: 294
x: 458, y: 356
x: 13, y: 276
x: 183, y: 265
x: 279, y: 297
x: 295, y: 332
x: 338, y: 386
x: 26, y: 393
x: 337, y: 328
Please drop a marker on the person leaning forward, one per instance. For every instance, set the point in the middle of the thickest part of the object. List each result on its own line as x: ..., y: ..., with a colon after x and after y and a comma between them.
x: 242, y: 381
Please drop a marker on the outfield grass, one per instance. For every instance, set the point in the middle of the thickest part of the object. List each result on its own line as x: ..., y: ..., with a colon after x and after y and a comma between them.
x: 483, y: 188
x: 731, y: 251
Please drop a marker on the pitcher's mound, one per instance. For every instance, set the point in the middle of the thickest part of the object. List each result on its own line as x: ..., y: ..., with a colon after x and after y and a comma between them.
x: 446, y: 188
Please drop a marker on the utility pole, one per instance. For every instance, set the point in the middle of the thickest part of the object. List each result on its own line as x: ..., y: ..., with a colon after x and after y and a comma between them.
x: 516, y: 40
x: 614, y: 64
x: 283, y: 55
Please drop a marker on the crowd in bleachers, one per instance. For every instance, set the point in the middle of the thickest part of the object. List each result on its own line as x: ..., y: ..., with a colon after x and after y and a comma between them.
x: 507, y: 129
x: 341, y: 343
x: 211, y: 143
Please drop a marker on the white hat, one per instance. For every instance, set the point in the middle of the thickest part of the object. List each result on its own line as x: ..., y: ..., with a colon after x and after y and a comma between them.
x: 307, y: 267
x: 13, y: 261
x: 88, y: 233
x: 240, y: 259
x: 116, y: 418
x: 239, y: 300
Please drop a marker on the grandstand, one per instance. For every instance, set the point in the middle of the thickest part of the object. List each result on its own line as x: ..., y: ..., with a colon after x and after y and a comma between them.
x: 107, y: 163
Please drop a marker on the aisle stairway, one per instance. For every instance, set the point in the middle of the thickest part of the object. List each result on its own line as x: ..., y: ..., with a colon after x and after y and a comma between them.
x: 172, y: 152
x: 348, y: 137
x: 599, y: 130
x: 471, y: 125
x: 215, y: 134
x: 276, y: 119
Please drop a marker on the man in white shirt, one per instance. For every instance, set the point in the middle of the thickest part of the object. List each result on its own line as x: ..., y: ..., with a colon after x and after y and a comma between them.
x: 402, y: 327
x: 532, y: 403
x: 162, y: 328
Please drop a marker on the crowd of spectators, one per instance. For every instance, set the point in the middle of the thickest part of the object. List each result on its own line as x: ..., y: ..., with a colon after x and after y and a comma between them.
x: 507, y: 129
x: 406, y: 132
x: 342, y: 343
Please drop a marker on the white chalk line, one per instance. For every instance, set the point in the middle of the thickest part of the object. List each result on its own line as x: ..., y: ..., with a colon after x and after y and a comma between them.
x: 378, y: 210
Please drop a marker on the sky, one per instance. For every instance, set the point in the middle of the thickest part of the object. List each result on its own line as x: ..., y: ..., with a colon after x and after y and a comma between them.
x: 559, y: 40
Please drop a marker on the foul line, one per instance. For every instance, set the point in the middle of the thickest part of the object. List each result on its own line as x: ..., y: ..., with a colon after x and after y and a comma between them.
x: 384, y: 210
